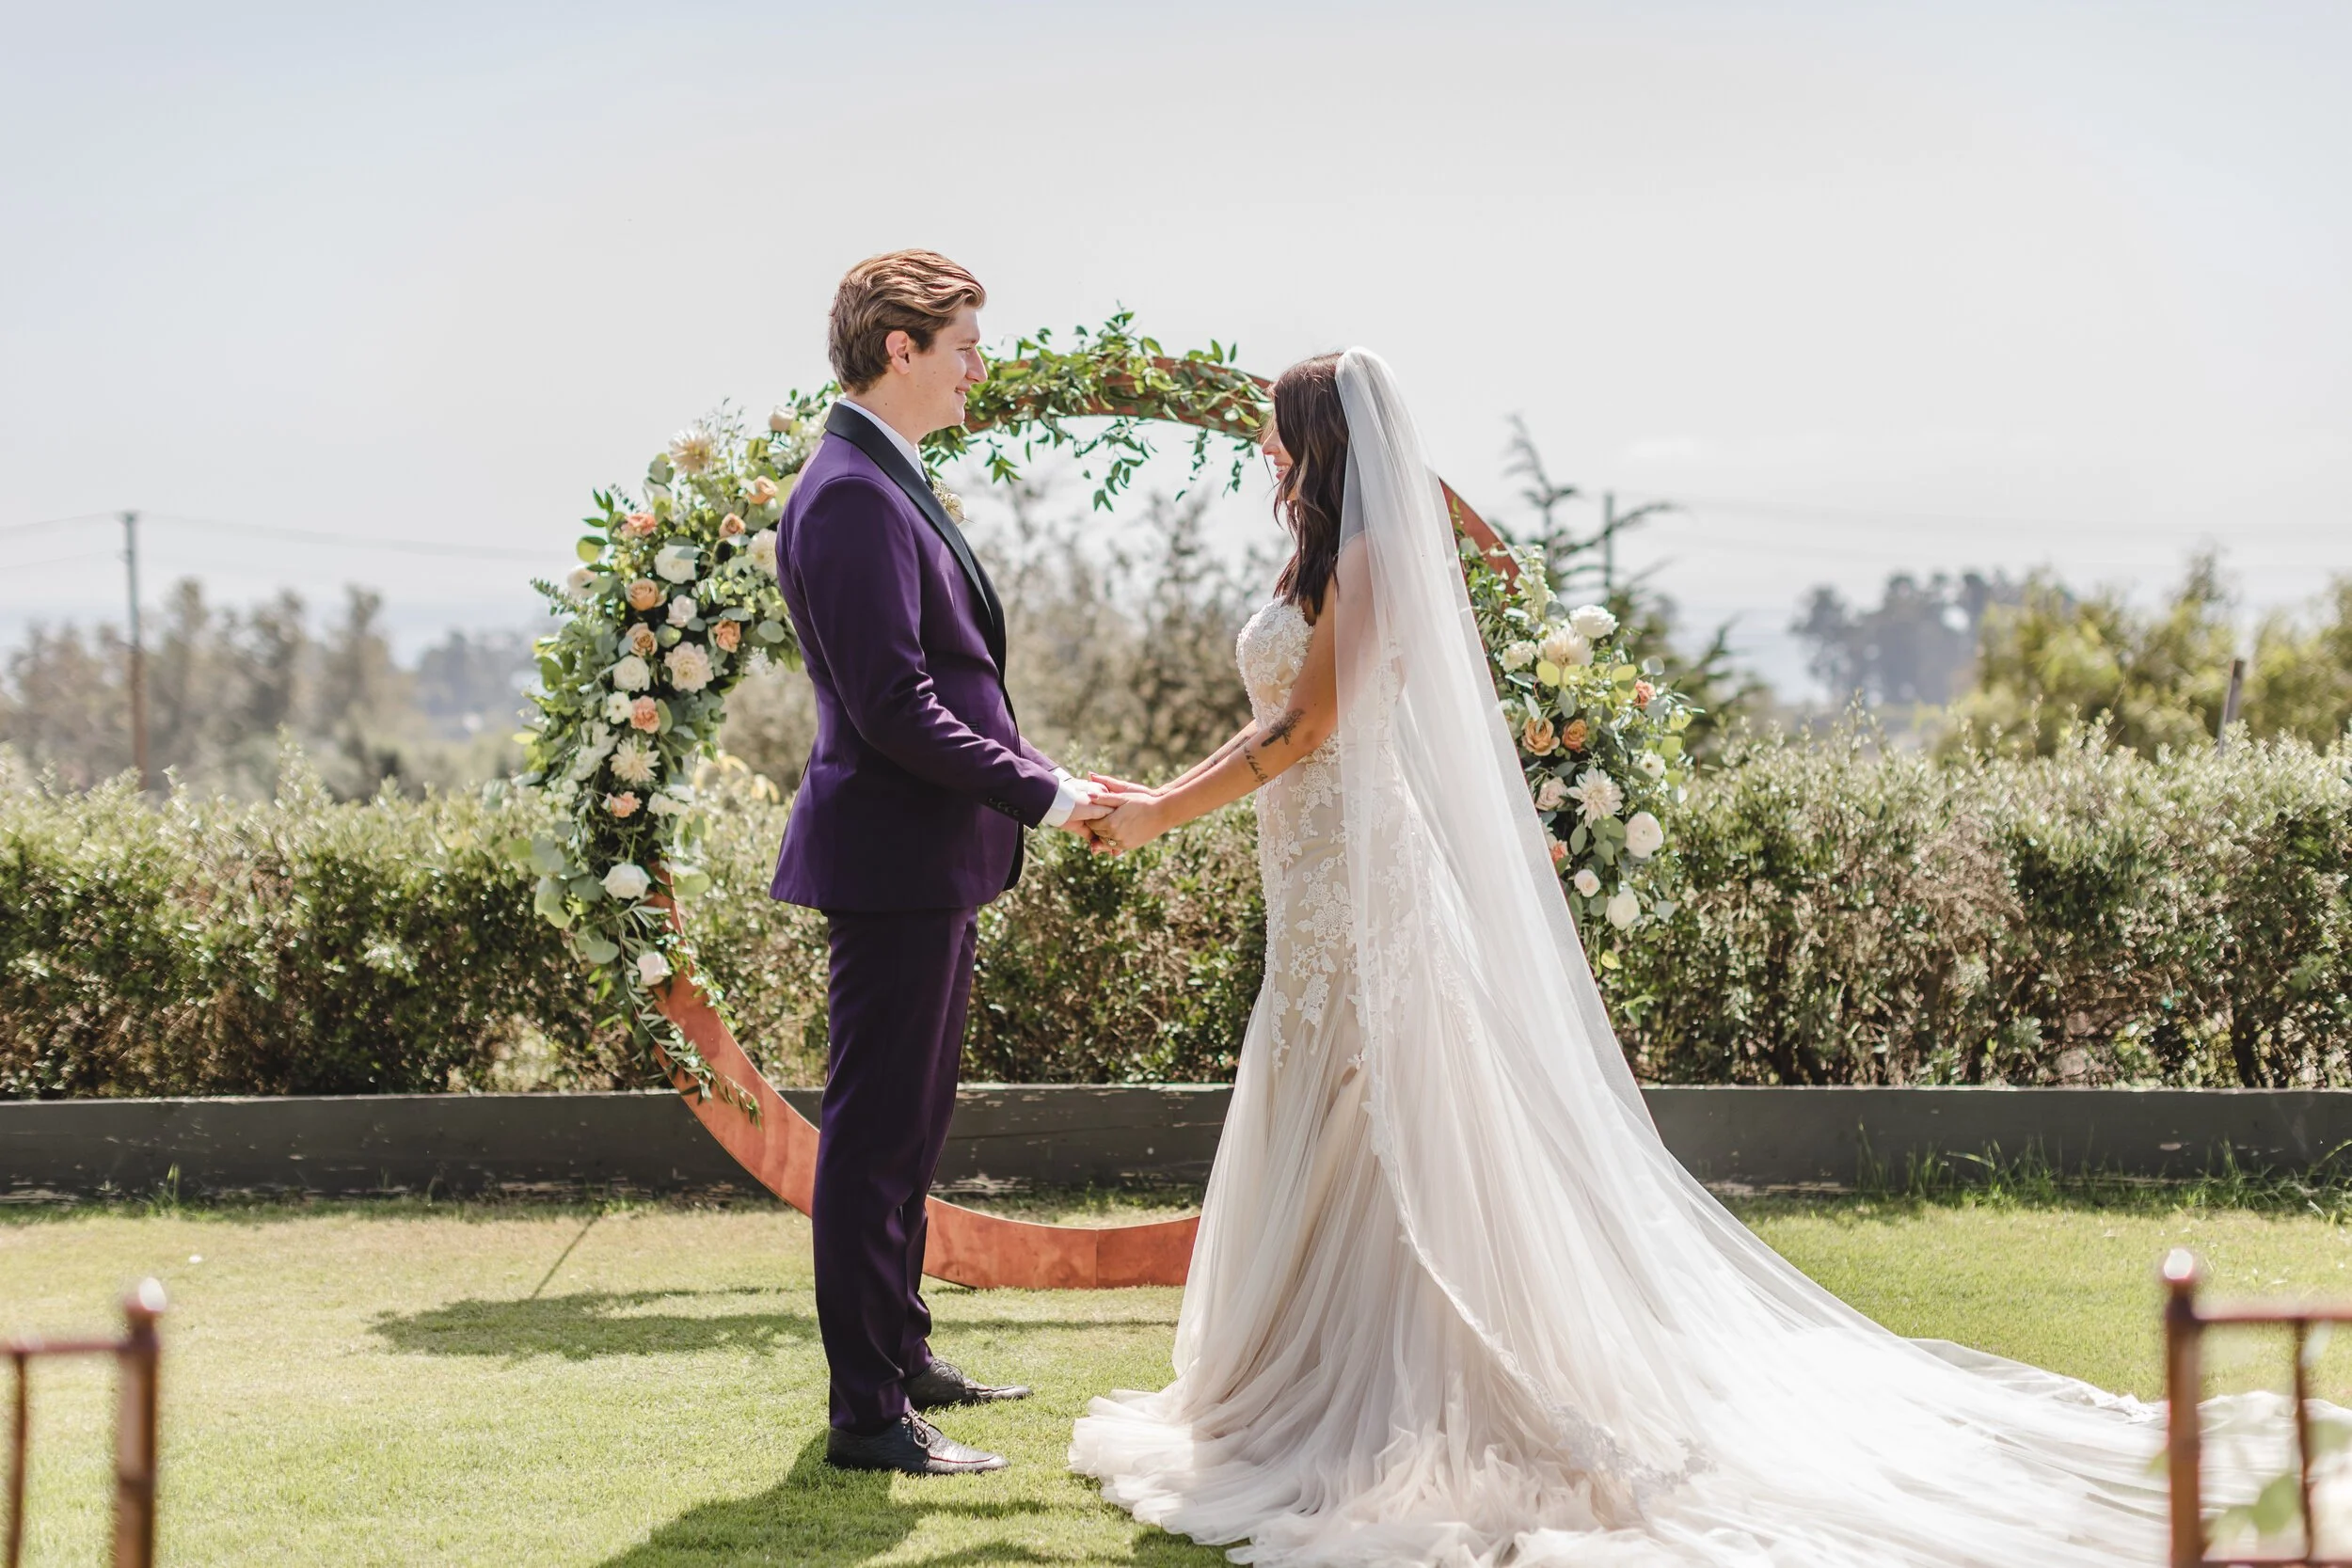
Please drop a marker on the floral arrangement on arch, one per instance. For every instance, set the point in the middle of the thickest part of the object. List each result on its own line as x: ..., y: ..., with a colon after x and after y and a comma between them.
x: 1599, y: 740
x: 674, y: 596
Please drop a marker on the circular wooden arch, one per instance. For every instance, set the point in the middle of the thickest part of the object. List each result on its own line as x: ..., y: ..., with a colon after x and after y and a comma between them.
x: 778, y: 1145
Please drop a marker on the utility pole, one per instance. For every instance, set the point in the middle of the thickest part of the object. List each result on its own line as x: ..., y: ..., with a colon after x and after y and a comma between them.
x: 1610, y: 522
x: 2230, y: 704
x: 138, y: 652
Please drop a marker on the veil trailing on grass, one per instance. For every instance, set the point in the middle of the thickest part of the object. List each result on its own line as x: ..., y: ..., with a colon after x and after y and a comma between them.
x: 1728, y: 1409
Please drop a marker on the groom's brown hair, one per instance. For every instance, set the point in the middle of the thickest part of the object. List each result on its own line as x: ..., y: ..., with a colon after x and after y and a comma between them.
x: 913, y: 292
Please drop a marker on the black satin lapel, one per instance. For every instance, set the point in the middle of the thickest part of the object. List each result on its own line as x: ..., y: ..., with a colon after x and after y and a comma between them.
x: 860, y: 432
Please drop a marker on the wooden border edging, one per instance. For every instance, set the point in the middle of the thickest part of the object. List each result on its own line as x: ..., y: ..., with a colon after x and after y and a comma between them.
x: 1069, y: 1134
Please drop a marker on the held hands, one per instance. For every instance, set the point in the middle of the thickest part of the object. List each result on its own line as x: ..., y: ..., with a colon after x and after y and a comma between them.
x: 1116, y: 815
x: 1134, y: 814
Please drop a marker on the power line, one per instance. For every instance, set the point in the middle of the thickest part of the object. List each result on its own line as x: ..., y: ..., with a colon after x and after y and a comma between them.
x: 292, y: 535
x: 56, y: 522
x: 315, y: 536
x: 56, y: 559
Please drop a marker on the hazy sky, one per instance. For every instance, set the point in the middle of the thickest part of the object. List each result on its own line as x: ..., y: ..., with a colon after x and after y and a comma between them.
x: 1865, y: 285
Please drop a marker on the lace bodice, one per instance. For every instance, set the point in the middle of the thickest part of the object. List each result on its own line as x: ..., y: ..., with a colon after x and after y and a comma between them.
x: 1301, y: 854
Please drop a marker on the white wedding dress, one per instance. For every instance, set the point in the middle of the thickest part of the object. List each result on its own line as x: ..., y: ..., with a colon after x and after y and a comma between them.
x: 1453, y: 1302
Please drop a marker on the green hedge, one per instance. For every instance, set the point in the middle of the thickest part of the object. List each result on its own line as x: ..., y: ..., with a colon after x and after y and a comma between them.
x: 2094, y: 916
x: 2091, y: 916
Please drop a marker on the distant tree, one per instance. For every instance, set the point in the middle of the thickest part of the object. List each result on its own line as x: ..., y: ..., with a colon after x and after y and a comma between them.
x: 2301, y: 678
x: 2156, y: 678
x: 1915, y: 648
x: 473, y: 682
x: 224, y: 685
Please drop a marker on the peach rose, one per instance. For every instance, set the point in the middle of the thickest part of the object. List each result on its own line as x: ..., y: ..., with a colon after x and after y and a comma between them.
x: 623, y: 805
x: 763, y: 490
x: 1559, y: 851
x: 728, y: 635
x: 638, y: 524
x: 642, y: 640
x: 643, y: 593
x: 1574, y: 736
x: 644, y: 714
x: 729, y: 525
x: 1538, y: 736
x: 1642, y: 692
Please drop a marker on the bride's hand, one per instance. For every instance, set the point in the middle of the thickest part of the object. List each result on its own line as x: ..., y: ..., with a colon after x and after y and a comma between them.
x: 1134, y: 820
x: 1119, y: 786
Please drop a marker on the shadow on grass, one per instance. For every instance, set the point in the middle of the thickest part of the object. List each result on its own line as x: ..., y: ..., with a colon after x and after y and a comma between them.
x: 592, y: 1323
x: 820, y: 1515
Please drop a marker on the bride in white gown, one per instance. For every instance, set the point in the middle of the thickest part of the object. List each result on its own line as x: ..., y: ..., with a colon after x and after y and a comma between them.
x: 1453, y: 1302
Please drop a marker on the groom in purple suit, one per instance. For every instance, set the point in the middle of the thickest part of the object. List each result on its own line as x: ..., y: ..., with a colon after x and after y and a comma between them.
x: 908, y: 818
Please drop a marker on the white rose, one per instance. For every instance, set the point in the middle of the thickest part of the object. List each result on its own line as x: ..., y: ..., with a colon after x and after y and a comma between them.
x: 626, y: 882
x: 1565, y: 649
x: 1623, y: 910
x: 631, y: 674
x: 689, y: 667
x: 617, y: 708
x: 682, y: 609
x: 674, y: 564
x: 1652, y: 764
x: 1550, y: 795
x: 1644, y: 837
x: 577, y: 583
x: 763, y: 550
x: 652, y: 968
x: 1586, y: 882
x: 1597, y: 794
x: 1519, y: 656
x: 1591, y: 622
x: 782, y: 421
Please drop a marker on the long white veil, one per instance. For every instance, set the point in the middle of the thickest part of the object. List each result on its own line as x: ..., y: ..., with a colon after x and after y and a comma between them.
x: 1738, y: 1410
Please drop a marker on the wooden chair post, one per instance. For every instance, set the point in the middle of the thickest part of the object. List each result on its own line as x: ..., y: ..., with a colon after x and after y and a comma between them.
x: 139, y: 1356
x: 137, y: 1388
x: 19, y: 1433
x: 2184, y: 1382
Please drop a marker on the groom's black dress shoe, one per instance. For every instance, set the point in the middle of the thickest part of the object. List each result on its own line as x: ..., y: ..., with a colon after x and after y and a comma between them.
x: 910, y: 1444
x: 943, y: 1384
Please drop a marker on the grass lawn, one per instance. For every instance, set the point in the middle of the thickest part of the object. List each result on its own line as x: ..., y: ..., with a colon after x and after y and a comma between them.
x: 405, y: 1383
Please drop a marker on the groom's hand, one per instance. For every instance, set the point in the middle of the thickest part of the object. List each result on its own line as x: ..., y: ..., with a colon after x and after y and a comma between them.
x: 1082, y: 816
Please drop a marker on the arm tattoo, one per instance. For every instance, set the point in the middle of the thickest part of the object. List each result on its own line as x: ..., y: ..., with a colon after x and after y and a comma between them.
x: 1254, y: 769
x: 1280, y: 729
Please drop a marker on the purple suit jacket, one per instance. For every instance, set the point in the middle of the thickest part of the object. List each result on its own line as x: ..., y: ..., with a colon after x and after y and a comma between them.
x: 919, y: 786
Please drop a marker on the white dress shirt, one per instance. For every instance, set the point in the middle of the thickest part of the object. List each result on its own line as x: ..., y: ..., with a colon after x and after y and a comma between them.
x: 1071, y: 790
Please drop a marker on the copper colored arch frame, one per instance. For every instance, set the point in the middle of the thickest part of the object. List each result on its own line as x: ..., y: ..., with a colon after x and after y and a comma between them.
x: 778, y: 1146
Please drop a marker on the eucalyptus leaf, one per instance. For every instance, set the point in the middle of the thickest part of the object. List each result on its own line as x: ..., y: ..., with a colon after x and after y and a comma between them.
x: 2279, y: 1505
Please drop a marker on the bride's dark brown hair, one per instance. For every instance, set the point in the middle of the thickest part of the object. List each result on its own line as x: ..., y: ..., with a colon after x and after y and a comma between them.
x: 1313, y: 424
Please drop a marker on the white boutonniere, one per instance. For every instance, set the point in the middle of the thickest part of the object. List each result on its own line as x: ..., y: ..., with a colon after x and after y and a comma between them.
x: 953, y: 503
